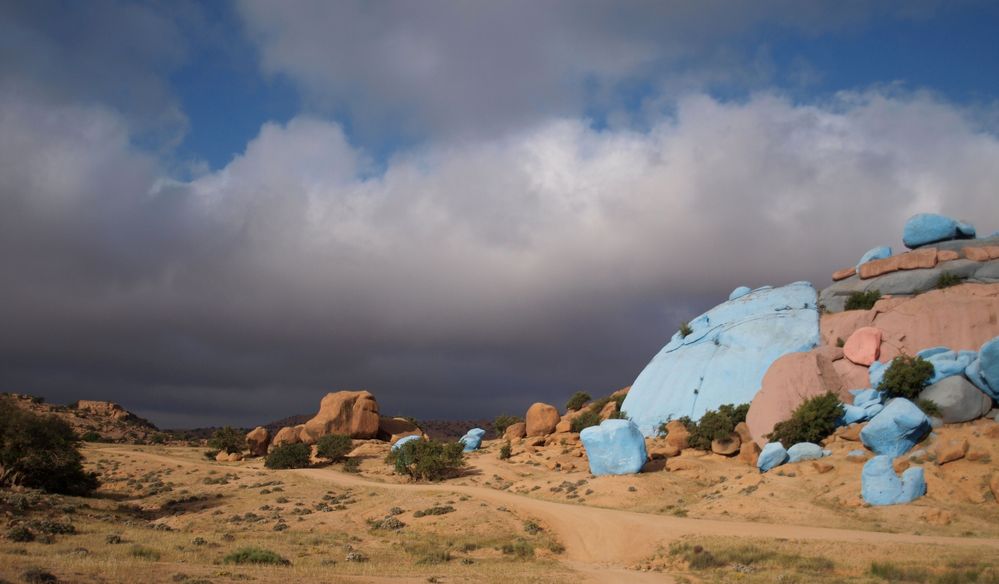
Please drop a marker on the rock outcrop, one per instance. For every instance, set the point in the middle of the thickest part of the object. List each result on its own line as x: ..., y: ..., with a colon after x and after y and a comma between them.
x: 257, y: 441
x: 352, y: 413
x: 287, y: 435
x: 515, y: 431
x: 614, y: 447
x: 725, y: 356
x: 541, y: 419
x: 958, y: 399
x: 394, y: 429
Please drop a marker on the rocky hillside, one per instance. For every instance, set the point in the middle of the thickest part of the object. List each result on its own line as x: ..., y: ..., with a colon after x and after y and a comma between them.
x: 94, y: 420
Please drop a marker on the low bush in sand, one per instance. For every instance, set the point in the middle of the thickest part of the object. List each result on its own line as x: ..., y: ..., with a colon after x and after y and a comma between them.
x: 428, y: 460
x: 288, y: 456
x: 812, y: 421
x: 335, y: 447
x: 255, y: 555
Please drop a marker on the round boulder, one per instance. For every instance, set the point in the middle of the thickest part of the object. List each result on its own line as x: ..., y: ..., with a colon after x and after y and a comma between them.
x: 958, y: 399
x: 864, y: 346
x: 541, y: 419
x: 257, y: 441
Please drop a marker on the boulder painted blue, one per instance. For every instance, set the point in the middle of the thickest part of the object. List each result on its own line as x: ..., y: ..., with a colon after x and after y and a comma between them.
x: 876, y: 372
x: 725, y: 357
x: 879, y: 485
x: 926, y: 228
x: 947, y: 363
x: 773, y: 455
x: 896, y: 428
x: 876, y: 253
x: 472, y: 439
x: 405, y: 439
x: 615, y: 447
x: 805, y: 451
x: 864, y: 397
x: 852, y: 414
x: 739, y: 292
x: 988, y: 366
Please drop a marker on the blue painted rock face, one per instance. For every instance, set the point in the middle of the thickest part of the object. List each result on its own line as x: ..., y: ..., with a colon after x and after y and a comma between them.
x: 881, y: 486
x: 773, y: 455
x: 615, y: 447
x: 739, y: 292
x: 926, y: 228
x: 877, y: 253
x: 725, y: 357
x: 896, y: 428
x: 805, y: 451
x: 947, y: 363
x: 988, y: 366
x: 472, y: 439
x: 402, y: 441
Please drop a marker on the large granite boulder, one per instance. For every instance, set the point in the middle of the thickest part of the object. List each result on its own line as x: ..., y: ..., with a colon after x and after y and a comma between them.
x: 773, y: 455
x: 896, y: 428
x: 614, y: 447
x: 472, y: 439
x: 351, y: 413
x: 541, y: 419
x: 790, y: 381
x: 515, y: 431
x: 881, y: 486
x: 724, y: 358
x: 287, y: 435
x: 257, y: 441
x: 926, y: 228
x: 805, y: 451
x: 878, y: 253
x: 394, y: 429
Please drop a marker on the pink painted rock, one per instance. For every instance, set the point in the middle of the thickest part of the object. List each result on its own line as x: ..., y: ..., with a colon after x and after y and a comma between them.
x: 947, y: 255
x: 791, y: 380
x: 843, y: 274
x: 864, y: 346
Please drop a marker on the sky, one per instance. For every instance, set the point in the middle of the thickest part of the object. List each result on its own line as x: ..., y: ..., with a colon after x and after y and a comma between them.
x: 216, y: 212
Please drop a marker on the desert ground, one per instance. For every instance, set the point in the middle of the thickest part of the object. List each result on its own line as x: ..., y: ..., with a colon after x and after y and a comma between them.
x: 168, y: 514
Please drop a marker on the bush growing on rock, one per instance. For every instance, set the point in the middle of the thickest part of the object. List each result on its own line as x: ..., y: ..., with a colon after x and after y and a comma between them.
x: 505, y: 451
x: 428, y: 460
x: 906, y: 377
x: 714, y: 425
x: 862, y: 300
x: 334, y: 447
x: 501, y: 423
x: 585, y: 420
x: 228, y: 440
x: 812, y: 421
x: 929, y: 407
x: 577, y: 400
x: 40, y: 452
x: 946, y: 280
x: 289, y: 456
x: 685, y: 329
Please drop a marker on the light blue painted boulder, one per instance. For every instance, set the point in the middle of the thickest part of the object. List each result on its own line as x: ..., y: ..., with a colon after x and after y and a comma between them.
x: 725, y: 357
x: 926, y: 228
x: 405, y: 439
x: 876, y: 372
x: 852, y: 415
x: 739, y: 292
x: 805, y: 451
x: 879, y: 485
x: 988, y: 366
x: 947, y: 363
x: 773, y: 455
x: 615, y: 447
x: 896, y: 428
x: 876, y: 253
x: 864, y: 397
x: 472, y: 439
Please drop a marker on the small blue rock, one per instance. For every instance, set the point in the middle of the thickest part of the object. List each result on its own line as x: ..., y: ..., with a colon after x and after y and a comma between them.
x: 472, y: 439
x: 876, y: 253
x: 926, y: 228
x: 896, y: 428
x: 876, y: 372
x: 974, y: 375
x: 988, y: 366
x: 804, y: 451
x: 739, y: 292
x: 881, y: 486
x: 947, y: 363
x: 773, y: 455
x: 864, y: 397
x: 404, y: 440
x: 852, y: 415
x: 615, y: 447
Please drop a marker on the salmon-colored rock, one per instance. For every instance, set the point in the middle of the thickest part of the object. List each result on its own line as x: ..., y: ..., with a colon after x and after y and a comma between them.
x: 821, y: 466
x: 851, y: 432
x: 950, y: 451
x: 515, y: 431
x: 863, y: 346
x: 727, y: 446
x: 875, y: 268
x: 565, y: 423
x: 677, y: 434
x: 981, y: 254
x: 257, y: 441
x: 843, y: 274
x: 609, y: 409
x: 541, y: 419
x: 960, y: 317
x: 791, y: 380
x: 922, y: 258
x: 947, y: 255
x: 287, y: 435
x: 749, y: 452
x: 395, y: 429
x: 352, y: 413
x: 743, y: 431
x: 852, y: 375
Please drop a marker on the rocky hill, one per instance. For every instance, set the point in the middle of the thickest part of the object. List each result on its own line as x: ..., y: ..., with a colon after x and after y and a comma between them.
x: 94, y: 420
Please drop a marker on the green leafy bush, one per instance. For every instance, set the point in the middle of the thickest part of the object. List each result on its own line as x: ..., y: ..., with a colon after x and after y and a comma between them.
x: 288, y: 456
x: 501, y: 423
x: 585, y: 420
x: 947, y: 280
x: 255, y: 555
x: 505, y: 450
x: 227, y: 439
x: 812, y: 421
x: 685, y: 329
x: 929, y: 407
x: 352, y: 465
x: 906, y: 377
x: 335, y: 447
x: 577, y: 400
x: 862, y: 300
x: 144, y: 553
x: 40, y: 452
x: 428, y: 460
x: 714, y: 425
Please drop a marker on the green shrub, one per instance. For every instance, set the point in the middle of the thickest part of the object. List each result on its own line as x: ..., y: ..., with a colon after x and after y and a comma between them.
x: 714, y: 425
x: 862, y: 300
x: 585, y: 420
x: 577, y: 400
x: 618, y: 415
x: 254, y: 555
x: 520, y: 549
x: 335, y: 447
x: 906, y: 377
x: 227, y: 439
x: 91, y: 436
x: 505, y: 451
x: 144, y: 553
x: 352, y: 465
x: 812, y: 421
x: 289, y: 456
x: 929, y: 407
x: 947, y: 280
x: 20, y: 534
x: 501, y: 423
x: 685, y: 329
x: 428, y: 460
x: 40, y: 452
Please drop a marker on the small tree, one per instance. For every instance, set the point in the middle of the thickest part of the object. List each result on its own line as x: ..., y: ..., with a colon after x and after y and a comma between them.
x: 505, y: 451
x: 906, y: 377
x: 335, y: 447
x: 812, y: 421
x: 585, y: 420
x: 862, y: 300
x: 501, y: 423
x: 685, y: 329
x: 289, y: 456
x: 428, y: 460
x: 228, y: 440
x: 714, y: 425
x: 577, y: 400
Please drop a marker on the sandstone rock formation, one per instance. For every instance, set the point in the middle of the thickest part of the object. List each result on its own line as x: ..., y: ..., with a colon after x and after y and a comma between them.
x: 515, y: 431
x: 541, y: 419
x: 257, y: 441
x: 287, y: 435
x: 353, y: 413
x: 393, y: 429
